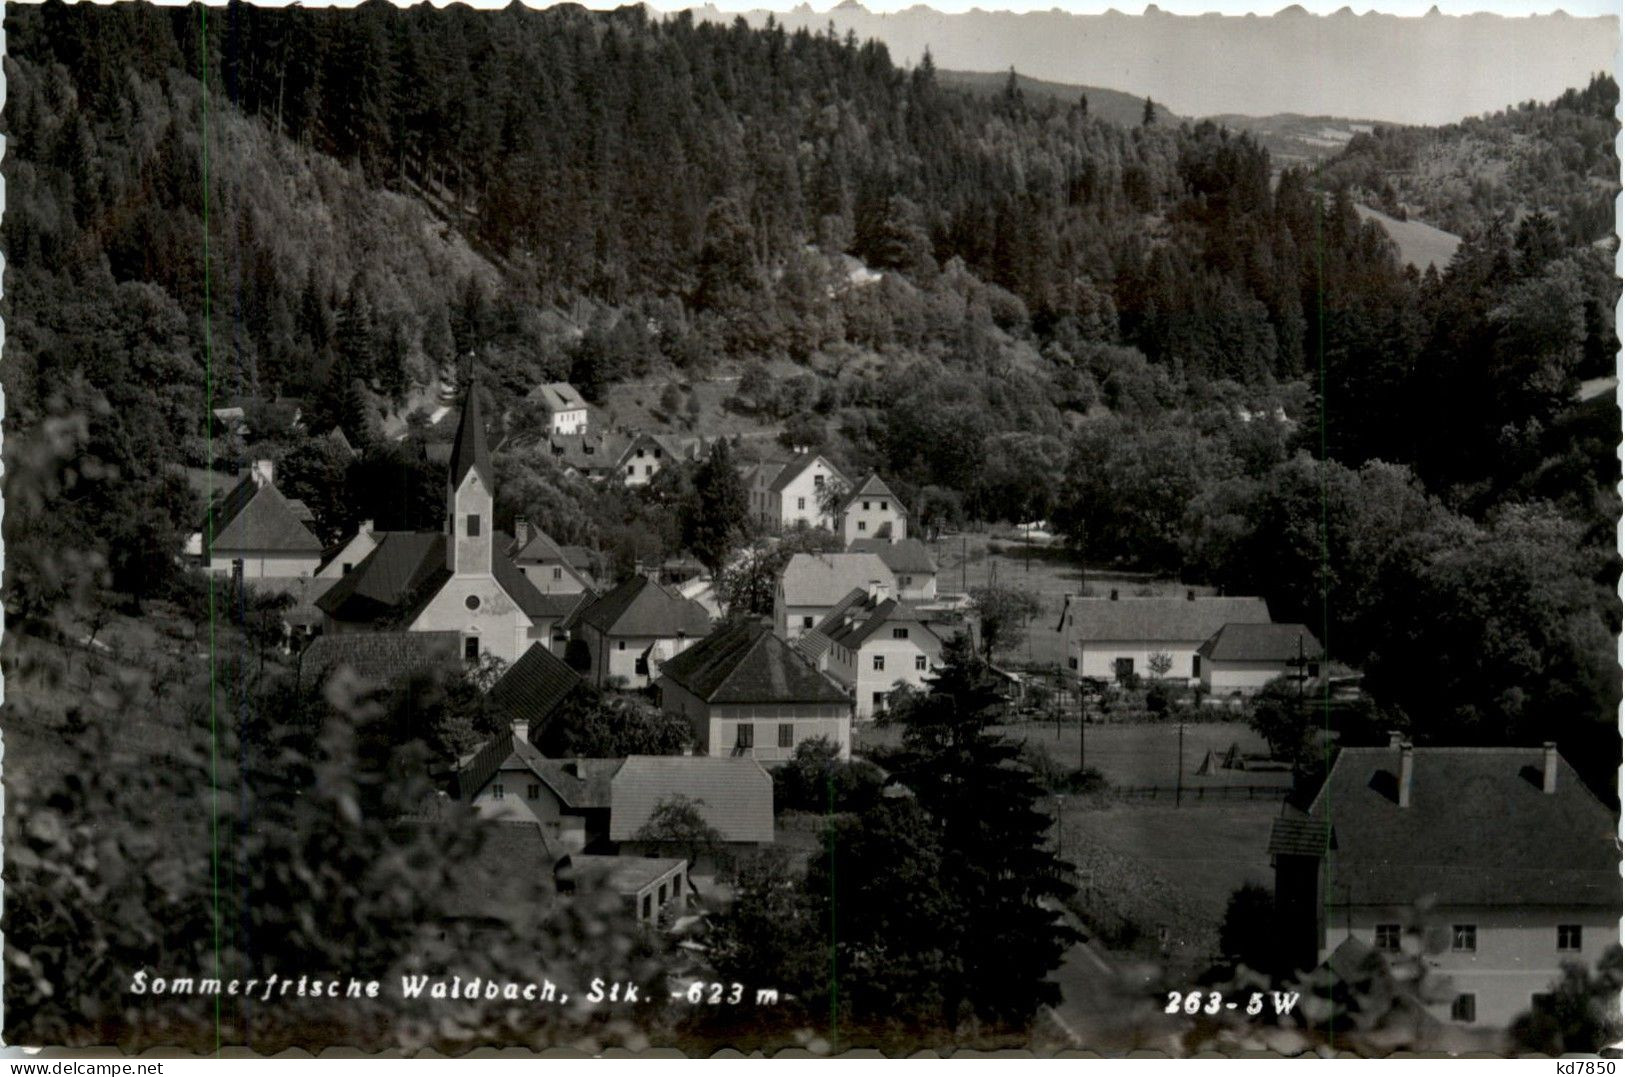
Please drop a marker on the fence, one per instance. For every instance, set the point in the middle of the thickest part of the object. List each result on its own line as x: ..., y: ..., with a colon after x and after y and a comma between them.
x: 1203, y: 793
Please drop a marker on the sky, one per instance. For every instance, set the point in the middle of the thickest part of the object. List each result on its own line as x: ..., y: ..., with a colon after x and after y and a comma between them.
x: 1431, y: 69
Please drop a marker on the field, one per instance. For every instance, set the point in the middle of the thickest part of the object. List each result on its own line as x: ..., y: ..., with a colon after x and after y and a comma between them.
x: 1145, y: 754
x: 1419, y: 244
x: 968, y: 560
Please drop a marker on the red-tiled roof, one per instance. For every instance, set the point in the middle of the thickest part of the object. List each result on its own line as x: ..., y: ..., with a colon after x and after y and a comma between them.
x: 733, y: 793
x: 747, y: 663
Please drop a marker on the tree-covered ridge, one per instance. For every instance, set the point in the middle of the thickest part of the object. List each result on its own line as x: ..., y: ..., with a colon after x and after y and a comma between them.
x: 1555, y: 158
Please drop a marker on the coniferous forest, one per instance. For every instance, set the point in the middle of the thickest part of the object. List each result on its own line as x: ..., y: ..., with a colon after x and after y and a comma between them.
x: 1193, y: 364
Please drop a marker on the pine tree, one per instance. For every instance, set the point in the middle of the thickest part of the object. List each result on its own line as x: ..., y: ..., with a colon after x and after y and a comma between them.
x: 993, y: 844
x: 1149, y: 116
x: 714, y: 517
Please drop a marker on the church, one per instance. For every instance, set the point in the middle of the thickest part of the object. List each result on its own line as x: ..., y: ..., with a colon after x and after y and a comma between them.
x: 459, y: 579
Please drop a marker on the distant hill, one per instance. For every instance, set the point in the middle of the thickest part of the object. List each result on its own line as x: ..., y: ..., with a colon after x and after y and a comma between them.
x: 1294, y: 139
x: 1113, y: 106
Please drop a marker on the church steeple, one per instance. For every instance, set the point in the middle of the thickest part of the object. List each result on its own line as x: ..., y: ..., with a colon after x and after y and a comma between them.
x: 470, y: 493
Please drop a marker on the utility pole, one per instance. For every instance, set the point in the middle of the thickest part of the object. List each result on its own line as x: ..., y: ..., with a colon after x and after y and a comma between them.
x: 964, y: 564
x: 1179, y: 774
x: 1083, y: 721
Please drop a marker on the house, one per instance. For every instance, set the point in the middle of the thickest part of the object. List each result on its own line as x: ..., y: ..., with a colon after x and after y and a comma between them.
x: 1513, y: 859
x: 1110, y: 638
x: 872, y: 512
x: 590, y: 455
x: 380, y: 658
x: 649, y: 887
x: 812, y: 584
x: 794, y: 494
x: 509, y: 780
x: 259, y: 534
x: 1239, y: 659
x: 913, y: 569
x: 338, y: 560
x: 647, y: 453
x: 872, y: 643
x: 629, y: 632
x: 551, y: 568
x: 566, y: 410
x: 531, y: 690
x: 747, y: 692
x: 460, y: 579
x: 733, y: 794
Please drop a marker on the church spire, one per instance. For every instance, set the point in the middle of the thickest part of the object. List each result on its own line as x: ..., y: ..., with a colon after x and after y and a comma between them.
x: 468, y: 451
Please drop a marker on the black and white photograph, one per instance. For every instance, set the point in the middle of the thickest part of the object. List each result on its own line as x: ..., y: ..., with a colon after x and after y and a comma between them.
x: 809, y: 532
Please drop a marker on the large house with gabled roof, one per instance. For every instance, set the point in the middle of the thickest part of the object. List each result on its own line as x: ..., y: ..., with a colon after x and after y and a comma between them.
x: 913, y: 568
x: 793, y: 494
x: 872, y: 644
x: 1240, y: 659
x: 747, y: 692
x: 551, y: 568
x: 646, y: 453
x: 733, y: 794
x: 1497, y: 863
x: 566, y: 410
x: 259, y: 534
x: 1112, y: 637
x: 460, y: 579
x: 509, y: 780
x: 812, y: 584
x: 872, y: 511
x: 626, y: 635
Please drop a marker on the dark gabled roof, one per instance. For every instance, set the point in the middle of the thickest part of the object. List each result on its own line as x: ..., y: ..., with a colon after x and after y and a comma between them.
x: 259, y: 518
x: 1299, y: 835
x: 590, y: 452
x: 1478, y: 831
x: 559, y: 605
x: 538, y: 547
x: 905, y: 555
x: 510, y: 579
x: 403, y: 570
x: 873, y: 486
x: 857, y: 617
x: 1166, y: 620
x: 468, y: 451
x: 560, y: 396
x: 580, y: 784
x: 747, y: 663
x: 642, y: 607
x: 533, y: 687
x: 733, y: 793
x: 1260, y: 643
x: 795, y: 468
x: 381, y: 657
x: 619, y: 874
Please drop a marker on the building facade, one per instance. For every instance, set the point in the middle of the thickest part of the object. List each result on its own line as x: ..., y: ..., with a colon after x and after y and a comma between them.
x: 873, y: 644
x: 1109, y: 638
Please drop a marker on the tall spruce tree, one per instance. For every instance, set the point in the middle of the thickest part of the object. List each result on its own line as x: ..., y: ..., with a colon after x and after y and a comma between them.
x: 714, y: 517
x: 1003, y: 923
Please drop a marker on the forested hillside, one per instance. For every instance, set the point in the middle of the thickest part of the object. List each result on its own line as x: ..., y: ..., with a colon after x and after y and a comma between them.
x: 1130, y: 329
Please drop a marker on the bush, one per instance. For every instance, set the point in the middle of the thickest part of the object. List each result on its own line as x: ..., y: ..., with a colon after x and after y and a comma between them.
x: 816, y: 779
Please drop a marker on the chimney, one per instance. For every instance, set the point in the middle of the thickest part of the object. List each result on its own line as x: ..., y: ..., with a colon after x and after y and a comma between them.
x: 1548, y: 773
x: 1190, y: 595
x: 1114, y: 594
x: 521, y: 532
x: 1407, y: 767
x: 878, y: 591
x: 264, y: 472
x: 521, y: 730
x: 1395, y: 738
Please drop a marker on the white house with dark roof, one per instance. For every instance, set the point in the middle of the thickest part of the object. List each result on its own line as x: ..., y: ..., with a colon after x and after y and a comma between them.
x: 258, y: 532
x: 1239, y: 659
x: 509, y: 780
x: 812, y: 584
x: 747, y: 692
x: 566, y: 410
x: 872, y: 644
x: 785, y: 496
x: 1107, y: 638
x: 550, y: 568
x: 627, y: 634
x: 647, y: 453
x: 913, y: 568
x: 872, y: 512
x: 460, y: 579
x: 1499, y: 859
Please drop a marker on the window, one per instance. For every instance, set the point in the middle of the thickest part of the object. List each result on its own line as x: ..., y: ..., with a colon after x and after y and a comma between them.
x: 806, y: 621
x: 620, y: 645
x: 631, y: 469
x: 882, y: 505
x: 1464, y: 1009
x: 818, y: 480
x: 899, y: 633
x: 473, y: 525
x: 648, y: 469
x: 657, y: 454
x: 863, y: 525
x: 346, y: 569
x: 471, y: 648
x: 660, y: 897
x: 866, y: 506
x: 746, y: 736
x: 1196, y: 665
x: 787, y: 734
x: 640, y: 454
x: 648, y: 902
x: 1124, y: 667
x: 1464, y: 938
x: 1388, y: 938
x: 472, y: 602
x: 496, y: 791
x: 533, y: 791
x: 919, y: 662
x: 522, y: 571
x: 801, y: 502
x: 879, y: 701
x: 1072, y: 662
x: 880, y: 662
x: 558, y: 574
x: 1568, y: 937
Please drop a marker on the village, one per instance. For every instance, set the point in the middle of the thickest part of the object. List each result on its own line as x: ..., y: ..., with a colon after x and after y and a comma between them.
x: 1145, y: 704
